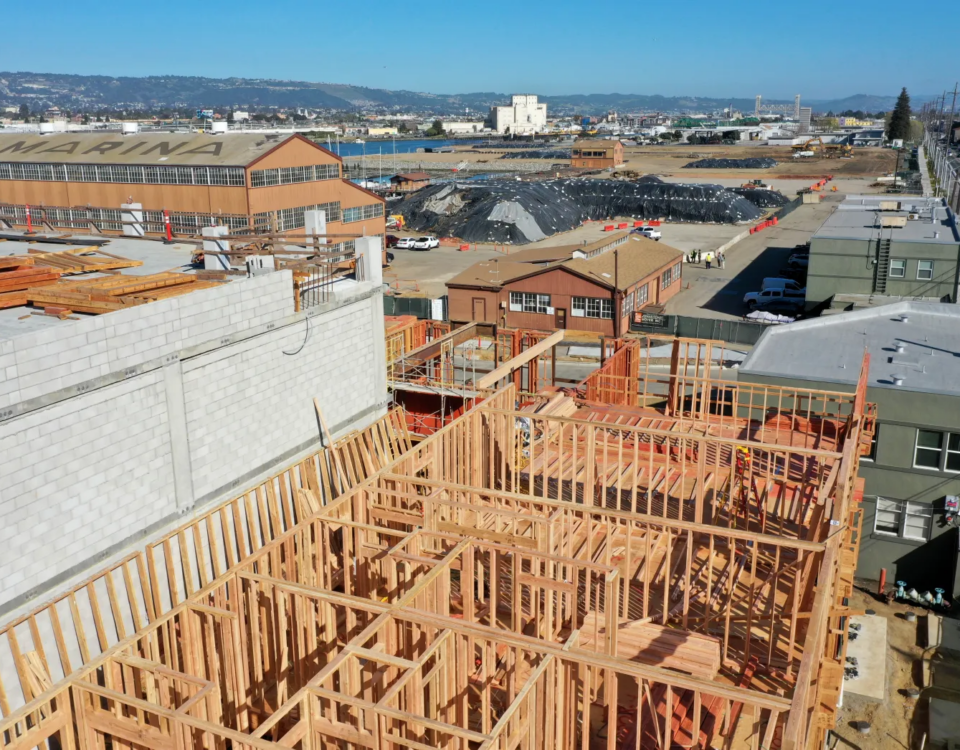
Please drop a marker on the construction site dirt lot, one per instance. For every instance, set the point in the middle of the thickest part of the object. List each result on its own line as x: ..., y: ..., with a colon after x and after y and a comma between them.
x: 897, y: 722
x: 871, y: 162
x: 669, y: 160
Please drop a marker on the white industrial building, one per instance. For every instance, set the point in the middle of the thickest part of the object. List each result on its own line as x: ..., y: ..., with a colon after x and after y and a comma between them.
x: 455, y: 128
x: 524, y: 116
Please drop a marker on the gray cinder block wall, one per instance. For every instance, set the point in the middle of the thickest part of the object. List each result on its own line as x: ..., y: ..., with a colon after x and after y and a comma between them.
x: 116, y: 426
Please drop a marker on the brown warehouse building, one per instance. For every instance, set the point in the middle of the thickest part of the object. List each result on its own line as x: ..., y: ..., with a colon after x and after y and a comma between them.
x: 596, y: 154
x: 575, y: 287
x: 243, y: 181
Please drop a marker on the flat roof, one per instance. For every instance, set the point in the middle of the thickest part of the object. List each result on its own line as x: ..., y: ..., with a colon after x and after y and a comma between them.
x: 156, y: 256
x: 830, y: 349
x: 145, y: 149
x: 858, y: 218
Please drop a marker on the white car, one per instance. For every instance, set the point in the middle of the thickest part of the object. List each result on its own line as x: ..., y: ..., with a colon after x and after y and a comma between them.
x: 768, y: 296
x: 425, y: 243
x: 405, y: 243
x: 648, y: 232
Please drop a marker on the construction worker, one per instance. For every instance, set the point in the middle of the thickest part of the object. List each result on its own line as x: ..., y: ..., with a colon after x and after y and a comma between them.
x: 708, y: 259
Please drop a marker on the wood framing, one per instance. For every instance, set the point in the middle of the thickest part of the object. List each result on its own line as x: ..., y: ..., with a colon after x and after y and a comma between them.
x: 620, y: 577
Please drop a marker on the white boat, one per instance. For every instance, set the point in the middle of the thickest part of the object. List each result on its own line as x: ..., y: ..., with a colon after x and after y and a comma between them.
x: 359, y: 140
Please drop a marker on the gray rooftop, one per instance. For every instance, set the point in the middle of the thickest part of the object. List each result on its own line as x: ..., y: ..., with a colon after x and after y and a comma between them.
x: 147, y: 149
x: 858, y: 218
x: 830, y: 349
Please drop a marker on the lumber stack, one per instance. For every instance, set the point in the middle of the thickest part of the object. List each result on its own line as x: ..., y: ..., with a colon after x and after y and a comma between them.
x: 109, y: 293
x: 81, y: 260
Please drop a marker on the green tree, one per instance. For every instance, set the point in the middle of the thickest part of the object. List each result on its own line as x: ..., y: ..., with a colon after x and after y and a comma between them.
x: 24, y: 112
x: 899, y: 124
x: 230, y: 117
x: 436, y: 128
x: 677, y: 135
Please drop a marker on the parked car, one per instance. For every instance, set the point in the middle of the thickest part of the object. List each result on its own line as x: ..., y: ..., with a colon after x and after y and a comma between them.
x: 763, y: 298
x: 797, y: 273
x: 405, y: 243
x: 649, y: 232
x: 778, y: 282
x: 425, y: 243
x: 801, y: 261
x: 392, y: 240
x: 792, y: 306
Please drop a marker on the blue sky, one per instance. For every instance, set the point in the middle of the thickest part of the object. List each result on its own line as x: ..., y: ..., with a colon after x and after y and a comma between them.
x: 560, y: 47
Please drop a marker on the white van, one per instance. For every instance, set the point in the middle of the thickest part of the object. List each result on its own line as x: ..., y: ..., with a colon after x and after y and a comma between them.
x: 778, y: 283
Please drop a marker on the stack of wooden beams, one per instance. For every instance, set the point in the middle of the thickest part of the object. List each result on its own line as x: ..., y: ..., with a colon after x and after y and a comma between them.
x: 79, y: 260
x: 17, y: 274
x: 108, y: 293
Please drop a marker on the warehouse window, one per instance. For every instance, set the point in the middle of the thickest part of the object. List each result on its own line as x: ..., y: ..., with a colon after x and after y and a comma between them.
x: 360, y: 213
x: 293, y: 175
x: 924, y: 270
x: 627, y: 305
x: 666, y: 279
x: 643, y: 295
x: 904, y: 519
x: 117, y: 173
x: 898, y: 268
x: 592, y: 307
x: 677, y: 270
x: 529, y: 302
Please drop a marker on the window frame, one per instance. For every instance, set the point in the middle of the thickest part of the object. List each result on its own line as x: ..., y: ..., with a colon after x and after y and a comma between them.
x: 904, y: 510
x: 871, y: 457
x: 917, y: 448
x: 903, y: 268
x: 923, y: 278
x: 532, y: 303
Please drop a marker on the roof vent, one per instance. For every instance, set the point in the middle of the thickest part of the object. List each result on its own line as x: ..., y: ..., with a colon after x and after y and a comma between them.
x: 904, y: 318
x: 900, y: 348
x: 897, y: 380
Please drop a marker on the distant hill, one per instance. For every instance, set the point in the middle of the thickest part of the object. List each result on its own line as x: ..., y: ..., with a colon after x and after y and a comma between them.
x: 91, y: 92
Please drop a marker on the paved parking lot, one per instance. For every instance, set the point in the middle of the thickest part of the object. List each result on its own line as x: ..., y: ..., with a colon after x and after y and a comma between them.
x: 718, y: 293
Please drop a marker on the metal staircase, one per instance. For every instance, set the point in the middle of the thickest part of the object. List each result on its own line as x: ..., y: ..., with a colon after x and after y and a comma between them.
x: 883, y: 266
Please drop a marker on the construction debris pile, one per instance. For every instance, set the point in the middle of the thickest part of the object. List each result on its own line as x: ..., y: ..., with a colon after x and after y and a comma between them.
x: 522, y: 212
x: 762, y: 198
x: 765, y: 163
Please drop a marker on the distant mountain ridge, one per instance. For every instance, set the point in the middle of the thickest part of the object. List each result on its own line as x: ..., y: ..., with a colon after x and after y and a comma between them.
x: 91, y: 92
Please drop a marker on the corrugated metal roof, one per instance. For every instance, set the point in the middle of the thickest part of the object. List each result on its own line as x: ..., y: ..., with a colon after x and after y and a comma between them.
x: 145, y: 149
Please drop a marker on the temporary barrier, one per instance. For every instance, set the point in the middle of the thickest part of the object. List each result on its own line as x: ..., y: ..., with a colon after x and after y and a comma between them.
x: 608, y: 228
x: 166, y: 226
x: 622, y: 225
x: 638, y: 223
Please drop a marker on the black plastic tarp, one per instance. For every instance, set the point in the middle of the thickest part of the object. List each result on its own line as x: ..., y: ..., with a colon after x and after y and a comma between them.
x: 649, y: 179
x: 539, y: 153
x: 763, y: 198
x: 520, y: 212
x: 764, y: 163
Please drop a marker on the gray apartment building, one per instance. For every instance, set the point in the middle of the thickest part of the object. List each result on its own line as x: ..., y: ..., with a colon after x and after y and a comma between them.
x: 914, y: 461
x: 875, y: 245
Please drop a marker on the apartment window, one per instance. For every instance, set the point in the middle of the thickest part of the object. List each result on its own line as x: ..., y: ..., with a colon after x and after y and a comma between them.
x: 592, y: 307
x: 872, y: 455
x: 924, y: 270
x: 939, y: 451
x: 643, y: 295
x: 529, y: 302
x: 898, y: 268
x: 928, y: 453
x: 903, y: 519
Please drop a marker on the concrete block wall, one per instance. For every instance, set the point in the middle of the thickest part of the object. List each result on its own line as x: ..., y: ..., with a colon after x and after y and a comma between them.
x: 115, y: 427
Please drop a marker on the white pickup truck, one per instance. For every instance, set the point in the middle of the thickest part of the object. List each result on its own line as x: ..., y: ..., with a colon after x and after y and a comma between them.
x: 786, y: 297
x: 649, y: 232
